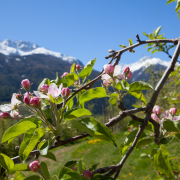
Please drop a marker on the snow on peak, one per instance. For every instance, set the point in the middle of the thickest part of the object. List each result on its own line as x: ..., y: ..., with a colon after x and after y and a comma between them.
x: 25, y: 48
x: 145, y: 62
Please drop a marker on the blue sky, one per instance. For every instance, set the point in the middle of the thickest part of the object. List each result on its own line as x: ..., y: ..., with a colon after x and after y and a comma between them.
x: 86, y: 29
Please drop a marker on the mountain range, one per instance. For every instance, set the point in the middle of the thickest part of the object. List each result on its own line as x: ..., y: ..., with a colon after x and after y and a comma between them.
x: 24, y: 60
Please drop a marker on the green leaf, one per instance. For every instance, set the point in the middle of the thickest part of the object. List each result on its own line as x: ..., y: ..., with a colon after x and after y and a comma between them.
x: 146, y: 34
x: 155, y: 50
x: 87, y: 69
x: 170, y: 1
x: 17, y: 129
x: 34, y: 177
x: 65, y: 170
x: 71, y: 163
x: 165, y: 140
x: 58, y: 79
x: 123, y: 148
x: 139, y: 95
x: 143, y: 142
x: 130, y: 42
x: 158, y: 30
x: 85, y: 72
x: 73, y: 68
x: 6, y: 162
x: 51, y: 98
x: 98, y: 92
x: 160, y: 160
x: 96, y: 129
x: 19, y: 176
x: 43, y: 147
x: 50, y: 155
x: 44, y: 170
x: 90, y: 63
x: 69, y: 79
x: 177, y: 6
x: 114, y: 95
x: 93, y: 167
x: 69, y: 104
x: 20, y: 167
x: 139, y: 85
x: 149, y: 49
x: 130, y: 138
x: 38, y: 133
x: 113, y: 101
x: 76, y: 114
x: 123, y: 46
x: 81, y: 166
x: 122, y: 85
x: 136, y: 124
x: 170, y: 126
x: 45, y: 81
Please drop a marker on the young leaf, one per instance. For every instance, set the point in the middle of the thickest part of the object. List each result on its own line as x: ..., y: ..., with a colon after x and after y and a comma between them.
x: 17, y: 129
x: 170, y: 126
x: 170, y: 1
x: 73, y: 68
x: 143, y: 142
x: 155, y: 50
x: 96, y: 129
x: 43, y: 147
x: 38, y: 133
x: 20, y: 167
x: 69, y: 79
x: 34, y: 177
x: 6, y: 162
x: 58, y: 79
x: 98, y: 92
x: 122, y: 85
x: 71, y: 163
x: 113, y: 101
x: 76, y: 114
x: 19, y: 176
x: 139, y: 95
x: 90, y: 63
x: 50, y: 155
x: 139, y: 85
x: 123, y: 46
x: 158, y: 30
x: 44, y: 170
x: 146, y: 34
x: 85, y: 72
x: 130, y: 42
x: 65, y: 170
x: 177, y: 6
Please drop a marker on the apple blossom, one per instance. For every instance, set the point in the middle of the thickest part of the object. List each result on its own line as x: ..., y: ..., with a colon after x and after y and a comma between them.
x: 15, y: 114
x: 64, y: 74
x: 118, y: 72
x: 44, y: 88
x: 109, y: 69
x: 156, y: 110
x: 34, y: 166
x: 173, y: 111
x: 87, y: 174
x: 35, y: 102
x: 26, y: 84
x: 9, y: 107
x: 65, y: 92
x: 153, y: 116
x: 107, y: 80
x: 5, y: 115
x: 53, y: 90
x: 129, y: 75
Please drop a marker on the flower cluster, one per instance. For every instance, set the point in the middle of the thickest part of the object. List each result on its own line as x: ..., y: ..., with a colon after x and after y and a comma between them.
x: 114, y: 74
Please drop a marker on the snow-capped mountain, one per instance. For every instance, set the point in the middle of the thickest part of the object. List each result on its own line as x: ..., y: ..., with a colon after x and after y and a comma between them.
x: 25, y: 48
x: 138, y: 68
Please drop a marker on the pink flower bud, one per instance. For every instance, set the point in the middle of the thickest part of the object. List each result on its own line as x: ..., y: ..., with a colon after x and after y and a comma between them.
x: 129, y: 75
x: 34, y: 166
x: 87, y: 174
x: 26, y: 84
x: 19, y: 97
x: 105, y: 83
x: 109, y: 69
x: 74, y: 168
x: 153, y: 116
x: 64, y: 74
x: 44, y: 88
x: 173, y: 111
x: 156, y: 110
x: 26, y: 99
x: 5, y: 115
x: 65, y: 92
x: 126, y: 70
x: 78, y: 67
x: 35, y: 101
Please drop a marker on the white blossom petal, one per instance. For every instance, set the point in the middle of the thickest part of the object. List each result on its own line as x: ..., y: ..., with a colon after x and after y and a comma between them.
x: 176, y: 118
x: 40, y: 95
x: 14, y: 100
x: 54, y: 90
x: 6, y: 107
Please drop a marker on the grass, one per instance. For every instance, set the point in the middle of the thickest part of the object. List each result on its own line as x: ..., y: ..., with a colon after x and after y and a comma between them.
x: 95, y: 151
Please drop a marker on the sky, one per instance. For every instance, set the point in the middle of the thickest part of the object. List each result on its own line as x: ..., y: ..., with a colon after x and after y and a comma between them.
x: 87, y: 29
